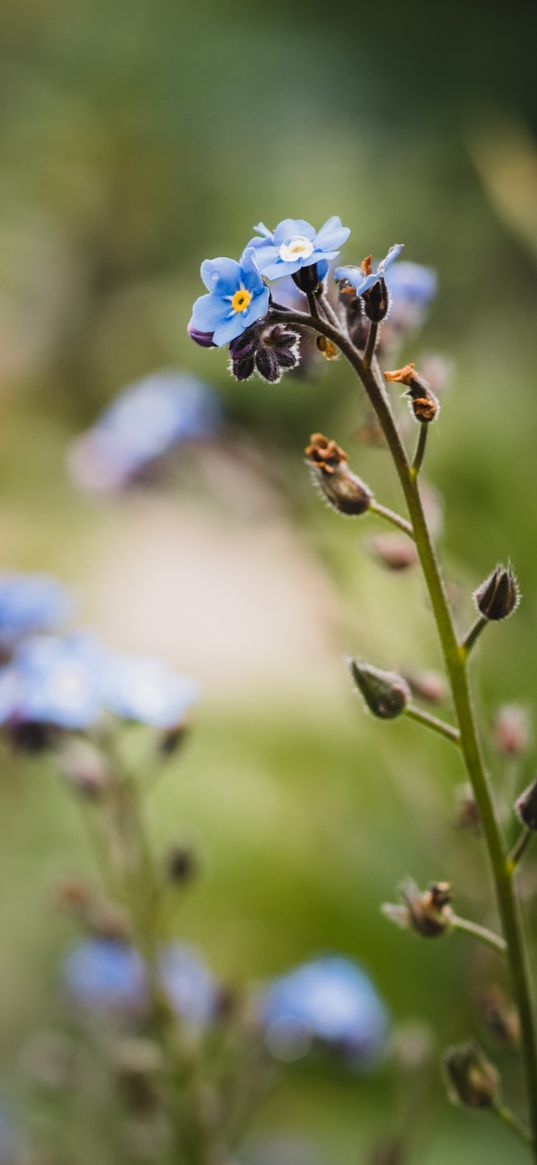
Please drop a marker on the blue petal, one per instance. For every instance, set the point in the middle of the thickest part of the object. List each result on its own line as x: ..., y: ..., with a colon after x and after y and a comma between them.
x: 209, y: 311
x: 256, y: 309
x: 221, y: 275
x: 250, y: 271
x: 265, y: 253
x: 288, y: 228
x: 332, y: 234
x: 228, y: 330
x: 393, y: 254
x: 278, y: 269
x: 322, y: 268
x: 263, y: 230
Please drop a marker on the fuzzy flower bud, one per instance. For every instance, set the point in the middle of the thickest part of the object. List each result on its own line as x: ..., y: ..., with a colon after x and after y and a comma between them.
x: 501, y: 1017
x: 511, y: 730
x: 424, y: 405
x: 498, y: 596
x: 393, y: 551
x: 471, y: 1078
x: 267, y: 351
x: 428, y: 913
x: 385, y: 693
x: 343, y: 490
x: 427, y: 685
x: 526, y: 806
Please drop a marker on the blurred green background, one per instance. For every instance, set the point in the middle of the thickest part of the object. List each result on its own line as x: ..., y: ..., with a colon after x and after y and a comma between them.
x: 136, y: 139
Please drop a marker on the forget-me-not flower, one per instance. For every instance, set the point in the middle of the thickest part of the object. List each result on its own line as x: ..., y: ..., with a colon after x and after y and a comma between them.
x: 412, y: 283
x: 295, y: 243
x: 187, y: 983
x: 147, y: 690
x: 29, y: 603
x: 106, y: 973
x: 362, y: 278
x: 237, y: 298
x: 330, y: 1000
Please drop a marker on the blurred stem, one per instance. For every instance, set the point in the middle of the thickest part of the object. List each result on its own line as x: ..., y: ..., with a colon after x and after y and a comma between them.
x: 482, y: 933
x: 440, y: 726
x: 455, y: 660
x: 392, y: 517
x: 420, y: 450
x: 473, y: 634
x: 513, y: 1123
x: 519, y: 848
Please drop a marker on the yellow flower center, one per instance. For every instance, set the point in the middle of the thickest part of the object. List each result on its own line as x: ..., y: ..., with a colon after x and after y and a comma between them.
x: 297, y: 248
x: 241, y: 300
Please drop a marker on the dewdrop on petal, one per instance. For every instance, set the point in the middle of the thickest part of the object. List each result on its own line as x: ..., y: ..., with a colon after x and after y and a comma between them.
x: 343, y: 490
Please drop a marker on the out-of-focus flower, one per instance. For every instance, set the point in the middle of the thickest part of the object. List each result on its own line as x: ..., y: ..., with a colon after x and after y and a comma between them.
x: 29, y: 603
x: 429, y: 913
x: 147, y: 690
x: 363, y: 278
x: 69, y: 683
x: 393, y: 551
x: 511, y: 730
x: 237, y: 298
x: 330, y: 1000
x: 106, y: 974
x: 145, y: 422
x: 188, y: 984
x: 294, y: 244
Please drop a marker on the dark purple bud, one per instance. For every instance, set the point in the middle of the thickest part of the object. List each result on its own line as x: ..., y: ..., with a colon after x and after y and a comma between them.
x: 266, y: 362
x: 526, y: 806
x: 498, y: 596
x: 385, y: 693
x: 204, y: 339
x: 307, y: 278
x: 245, y: 344
x: 242, y: 369
x: 376, y: 302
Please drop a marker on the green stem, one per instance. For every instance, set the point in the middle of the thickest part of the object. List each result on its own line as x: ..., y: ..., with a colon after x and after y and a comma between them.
x: 420, y: 450
x: 440, y: 726
x: 473, y: 634
x: 519, y: 848
x: 390, y: 516
x: 482, y: 933
x: 513, y: 1123
x: 455, y: 661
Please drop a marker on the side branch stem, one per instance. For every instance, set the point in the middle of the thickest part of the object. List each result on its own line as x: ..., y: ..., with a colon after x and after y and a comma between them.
x: 455, y: 661
x: 433, y: 722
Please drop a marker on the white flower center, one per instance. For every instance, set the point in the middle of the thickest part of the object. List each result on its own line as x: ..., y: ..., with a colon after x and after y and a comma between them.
x: 297, y: 248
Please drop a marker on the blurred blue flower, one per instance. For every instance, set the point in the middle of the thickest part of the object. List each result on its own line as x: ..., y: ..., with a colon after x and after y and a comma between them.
x: 362, y: 278
x: 146, y: 421
x: 52, y: 681
x: 106, y: 974
x: 330, y: 1000
x: 412, y: 283
x: 295, y: 243
x: 237, y: 298
x: 29, y: 603
x: 148, y: 690
x: 69, y: 683
x: 188, y: 983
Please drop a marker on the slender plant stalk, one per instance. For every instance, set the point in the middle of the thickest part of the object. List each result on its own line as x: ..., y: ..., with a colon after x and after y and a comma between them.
x: 420, y: 450
x: 456, y: 665
x: 482, y: 933
x: 434, y: 723
x: 519, y: 847
x: 390, y: 516
x: 471, y: 637
x: 513, y: 1123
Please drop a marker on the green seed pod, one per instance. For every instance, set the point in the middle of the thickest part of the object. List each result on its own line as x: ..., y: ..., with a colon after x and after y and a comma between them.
x: 385, y: 693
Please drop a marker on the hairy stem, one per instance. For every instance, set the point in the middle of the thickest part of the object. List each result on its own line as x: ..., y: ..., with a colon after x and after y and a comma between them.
x: 420, y: 450
x: 482, y: 933
x: 473, y: 634
x: 456, y: 666
x: 390, y: 516
x: 440, y: 726
x: 519, y: 848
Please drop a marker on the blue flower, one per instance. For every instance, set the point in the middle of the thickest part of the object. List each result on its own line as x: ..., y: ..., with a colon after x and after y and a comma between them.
x: 146, y: 421
x: 295, y: 244
x: 106, y: 974
x: 412, y: 283
x: 147, y: 690
x: 188, y: 984
x: 330, y: 1000
x: 52, y: 682
x: 29, y: 603
x: 237, y: 298
x: 363, y: 278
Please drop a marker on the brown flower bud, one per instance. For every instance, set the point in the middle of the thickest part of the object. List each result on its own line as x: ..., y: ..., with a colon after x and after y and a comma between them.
x: 385, y: 693
x: 526, y: 806
x: 498, y: 596
x: 501, y: 1017
x: 423, y: 403
x: 327, y: 348
x: 393, y: 551
x: 343, y: 490
x: 428, y: 913
x: 471, y: 1078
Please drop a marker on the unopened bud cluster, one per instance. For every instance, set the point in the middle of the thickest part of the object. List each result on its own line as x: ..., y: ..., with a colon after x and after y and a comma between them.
x: 427, y: 912
x: 343, y: 490
x: 269, y: 352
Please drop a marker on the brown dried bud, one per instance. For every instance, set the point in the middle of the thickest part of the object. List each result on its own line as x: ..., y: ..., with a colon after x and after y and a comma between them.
x: 511, y: 730
x: 471, y: 1078
x: 343, y: 490
x: 385, y: 693
x: 498, y: 596
x: 501, y: 1017
x: 424, y: 405
x: 428, y: 913
x: 327, y: 348
x: 393, y: 551
x: 526, y: 806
